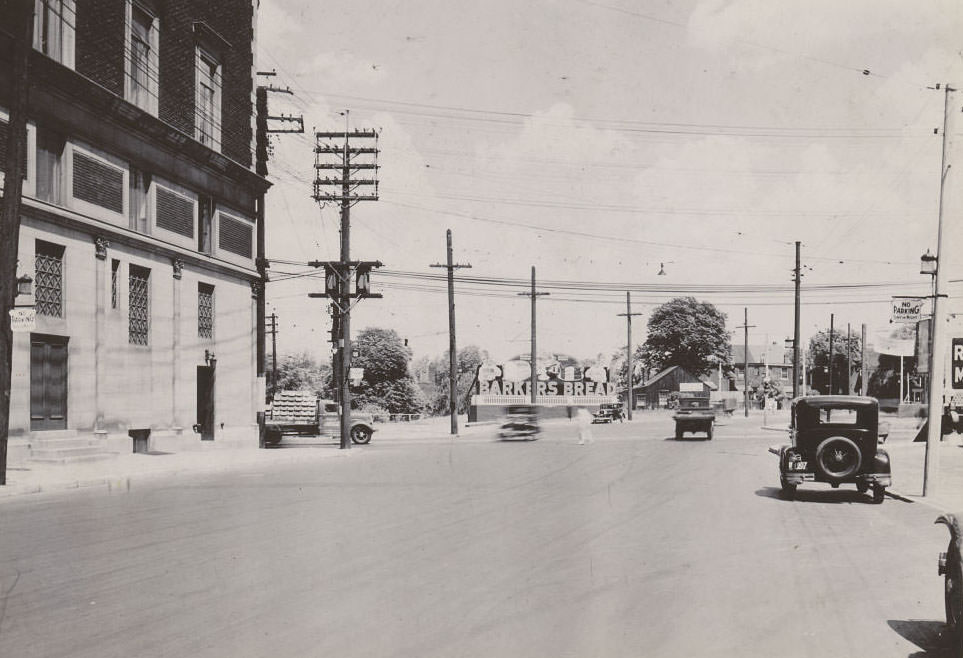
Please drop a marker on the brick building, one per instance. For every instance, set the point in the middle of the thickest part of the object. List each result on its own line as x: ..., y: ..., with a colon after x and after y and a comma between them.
x: 138, y: 222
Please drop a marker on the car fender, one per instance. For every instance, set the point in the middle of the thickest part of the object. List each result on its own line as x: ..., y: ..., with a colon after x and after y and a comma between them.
x: 952, y: 521
x: 881, y: 462
x: 366, y: 426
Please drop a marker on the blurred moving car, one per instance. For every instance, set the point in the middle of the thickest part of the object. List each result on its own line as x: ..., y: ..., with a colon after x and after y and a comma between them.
x: 951, y: 567
x: 835, y: 440
x: 608, y: 412
x: 520, y: 422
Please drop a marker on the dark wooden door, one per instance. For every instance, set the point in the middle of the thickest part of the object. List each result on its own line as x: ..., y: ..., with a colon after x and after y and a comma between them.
x: 205, y: 402
x: 48, y: 382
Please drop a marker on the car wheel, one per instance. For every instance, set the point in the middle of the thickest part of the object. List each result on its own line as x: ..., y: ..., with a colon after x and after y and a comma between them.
x: 838, y: 457
x: 678, y: 434
x: 360, y: 434
x: 862, y: 486
x: 788, y: 490
x: 709, y: 432
x: 953, y: 600
x: 879, y: 493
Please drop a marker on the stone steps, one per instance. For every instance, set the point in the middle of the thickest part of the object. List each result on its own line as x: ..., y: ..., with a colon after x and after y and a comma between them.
x: 66, y: 447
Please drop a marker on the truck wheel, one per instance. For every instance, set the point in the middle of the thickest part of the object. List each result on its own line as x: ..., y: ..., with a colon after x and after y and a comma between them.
x: 360, y: 434
x: 272, y: 438
x: 678, y: 434
x: 709, y: 432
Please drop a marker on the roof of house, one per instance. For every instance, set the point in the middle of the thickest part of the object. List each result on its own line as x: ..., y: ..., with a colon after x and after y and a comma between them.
x: 773, y: 354
x: 651, y: 380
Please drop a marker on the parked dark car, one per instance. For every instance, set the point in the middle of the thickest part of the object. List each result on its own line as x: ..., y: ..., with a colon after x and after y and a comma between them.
x: 834, y: 440
x: 520, y: 422
x: 951, y: 567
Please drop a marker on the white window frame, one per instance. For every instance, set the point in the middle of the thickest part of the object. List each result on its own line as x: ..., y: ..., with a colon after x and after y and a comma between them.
x: 153, y: 63
x: 201, y: 55
x: 160, y: 231
x: 65, y: 13
x: 123, y: 217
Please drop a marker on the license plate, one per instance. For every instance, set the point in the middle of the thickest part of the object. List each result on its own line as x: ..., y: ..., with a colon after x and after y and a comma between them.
x: 798, y: 466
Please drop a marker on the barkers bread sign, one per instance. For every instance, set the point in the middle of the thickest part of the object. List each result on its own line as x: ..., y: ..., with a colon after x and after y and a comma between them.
x: 514, y: 378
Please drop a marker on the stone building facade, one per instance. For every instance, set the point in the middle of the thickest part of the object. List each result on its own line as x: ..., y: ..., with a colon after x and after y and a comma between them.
x: 138, y: 222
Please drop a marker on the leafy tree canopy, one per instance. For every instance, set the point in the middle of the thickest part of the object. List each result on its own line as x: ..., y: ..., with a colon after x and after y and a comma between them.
x: 819, y: 359
x: 300, y: 372
x: 387, y: 383
x: 688, y: 333
x: 469, y: 358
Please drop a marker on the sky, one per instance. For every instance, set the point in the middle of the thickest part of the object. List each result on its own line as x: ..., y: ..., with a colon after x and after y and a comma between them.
x: 604, y: 142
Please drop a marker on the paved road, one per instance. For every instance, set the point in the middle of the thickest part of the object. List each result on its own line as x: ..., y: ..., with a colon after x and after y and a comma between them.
x: 636, y: 545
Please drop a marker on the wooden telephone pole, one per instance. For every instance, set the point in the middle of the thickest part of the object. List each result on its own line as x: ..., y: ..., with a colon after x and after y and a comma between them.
x: 534, y: 295
x: 745, y: 359
x: 452, y: 352
x: 629, y: 370
x: 340, y: 183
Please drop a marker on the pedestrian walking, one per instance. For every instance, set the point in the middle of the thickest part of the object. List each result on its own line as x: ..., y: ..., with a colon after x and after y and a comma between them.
x: 584, y: 420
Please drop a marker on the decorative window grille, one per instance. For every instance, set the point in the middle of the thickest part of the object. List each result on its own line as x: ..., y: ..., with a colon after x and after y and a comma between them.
x: 49, y: 279
x: 205, y: 310
x: 114, y: 271
x: 175, y: 213
x: 98, y: 183
x: 235, y: 235
x: 139, y: 303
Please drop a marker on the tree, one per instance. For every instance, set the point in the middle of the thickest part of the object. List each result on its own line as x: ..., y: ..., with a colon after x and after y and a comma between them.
x: 687, y: 333
x: 300, y: 372
x: 819, y: 358
x: 469, y: 358
x: 386, y: 382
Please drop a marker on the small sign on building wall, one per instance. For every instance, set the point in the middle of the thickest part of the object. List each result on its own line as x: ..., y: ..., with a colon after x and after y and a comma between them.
x: 23, y: 319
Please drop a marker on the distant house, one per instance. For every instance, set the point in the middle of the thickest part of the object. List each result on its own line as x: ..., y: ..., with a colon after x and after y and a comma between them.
x: 773, y: 361
x: 654, y: 393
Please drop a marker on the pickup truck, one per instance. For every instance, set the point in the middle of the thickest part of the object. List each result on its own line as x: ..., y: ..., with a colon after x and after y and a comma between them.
x: 302, y: 413
x: 695, y: 414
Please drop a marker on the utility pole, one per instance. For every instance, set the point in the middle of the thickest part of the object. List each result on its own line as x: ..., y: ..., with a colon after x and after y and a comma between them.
x: 863, y: 372
x: 452, y: 353
x: 273, y: 330
x: 340, y: 164
x: 832, y: 335
x: 534, y: 295
x: 21, y: 21
x: 849, y: 362
x: 797, y: 277
x: 949, y: 204
x: 629, y: 398
x: 745, y: 358
x: 261, y: 152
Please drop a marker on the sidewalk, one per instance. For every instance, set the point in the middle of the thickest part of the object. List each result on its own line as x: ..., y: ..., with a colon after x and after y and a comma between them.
x: 28, y: 477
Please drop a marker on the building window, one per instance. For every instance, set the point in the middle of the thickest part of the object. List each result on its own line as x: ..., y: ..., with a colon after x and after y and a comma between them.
x: 208, y: 102
x: 142, y: 59
x: 49, y: 279
x: 175, y: 212
x: 205, y: 224
x: 50, y: 156
x: 53, y: 29
x: 139, y: 189
x: 139, y: 306
x: 97, y: 182
x: 235, y: 235
x: 205, y: 310
x: 114, y: 271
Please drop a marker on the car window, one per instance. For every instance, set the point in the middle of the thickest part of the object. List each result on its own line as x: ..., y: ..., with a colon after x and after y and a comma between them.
x: 838, y: 416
